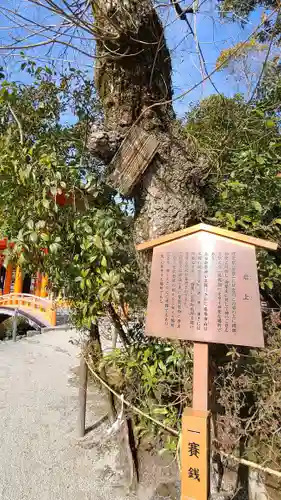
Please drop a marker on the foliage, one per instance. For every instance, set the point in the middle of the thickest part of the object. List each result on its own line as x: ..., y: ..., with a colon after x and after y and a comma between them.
x: 244, y: 63
x: 245, y: 7
x: 156, y: 377
x: 243, y: 191
x: 241, y: 9
x: 238, y: 51
x: 269, y: 93
x: 248, y: 391
x: 62, y: 219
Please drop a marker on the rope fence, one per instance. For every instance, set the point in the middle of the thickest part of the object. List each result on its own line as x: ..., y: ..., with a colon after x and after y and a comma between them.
x: 130, y: 405
x: 174, y: 432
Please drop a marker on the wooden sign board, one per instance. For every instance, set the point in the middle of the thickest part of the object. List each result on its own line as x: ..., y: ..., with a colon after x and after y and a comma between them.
x: 195, y: 455
x: 131, y: 160
x: 204, y: 288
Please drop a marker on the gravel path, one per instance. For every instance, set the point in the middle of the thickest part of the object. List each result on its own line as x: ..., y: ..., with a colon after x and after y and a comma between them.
x: 40, y: 457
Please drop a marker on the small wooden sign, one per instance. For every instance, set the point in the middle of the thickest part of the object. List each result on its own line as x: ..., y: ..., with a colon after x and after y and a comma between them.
x: 204, y: 287
x: 131, y: 160
x: 195, y: 455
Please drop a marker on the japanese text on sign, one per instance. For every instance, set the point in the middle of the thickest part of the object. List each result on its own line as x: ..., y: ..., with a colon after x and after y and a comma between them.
x: 184, y: 284
x: 204, y: 288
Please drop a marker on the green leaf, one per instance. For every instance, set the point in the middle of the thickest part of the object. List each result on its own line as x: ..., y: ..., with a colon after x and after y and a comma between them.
x: 257, y: 206
x: 88, y: 228
x: 160, y: 411
x: 230, y: 219
x: 30, y: 224
x: 105, y: 276
x: 98, y: 241
x: 46, y: 203
x: 93, y: 258
x: 109, y: 250
x: 33, y: 237
x: 21, y: 259
x: 104, y: 262
x: 54, y: 247
x: 269, y: 284
x: 115, y: 295
x: 270, y: 123
x: 162, y: 366
x: 113, y: 278
x: 260, y: 160
x: 40, y: 224
x: 85, y: 272
x: 103, y: 291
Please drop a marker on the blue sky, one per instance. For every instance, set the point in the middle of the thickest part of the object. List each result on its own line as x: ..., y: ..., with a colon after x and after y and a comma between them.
x: 214, y: 35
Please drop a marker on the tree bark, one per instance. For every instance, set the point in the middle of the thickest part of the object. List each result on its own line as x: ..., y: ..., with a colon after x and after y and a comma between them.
x: 133, y: 73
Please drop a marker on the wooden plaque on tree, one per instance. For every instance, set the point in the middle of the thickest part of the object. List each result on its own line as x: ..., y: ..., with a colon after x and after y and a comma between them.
x: 204, y: 288
x: 132, y: 159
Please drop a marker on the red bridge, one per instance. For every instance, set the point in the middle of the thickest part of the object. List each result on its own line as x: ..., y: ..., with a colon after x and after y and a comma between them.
x: 25, y: 294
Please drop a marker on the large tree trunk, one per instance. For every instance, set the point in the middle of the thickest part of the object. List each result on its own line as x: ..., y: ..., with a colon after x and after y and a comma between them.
x: 133, y: 72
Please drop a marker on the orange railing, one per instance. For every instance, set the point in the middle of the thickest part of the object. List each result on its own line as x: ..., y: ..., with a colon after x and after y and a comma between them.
x: 44, y: 306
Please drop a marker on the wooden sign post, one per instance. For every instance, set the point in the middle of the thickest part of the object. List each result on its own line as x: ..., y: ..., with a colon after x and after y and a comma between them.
x: 195, y: 454
x: 204, y: 288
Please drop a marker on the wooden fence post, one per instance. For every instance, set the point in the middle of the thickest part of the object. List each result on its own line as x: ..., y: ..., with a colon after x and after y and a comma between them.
x: 15, y: 325
x: 83, y: 381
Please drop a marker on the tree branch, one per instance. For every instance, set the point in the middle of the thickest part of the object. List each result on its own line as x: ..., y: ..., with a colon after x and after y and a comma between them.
x: 182, y: 12
x: 118, y: 325
x: 183, y: 16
